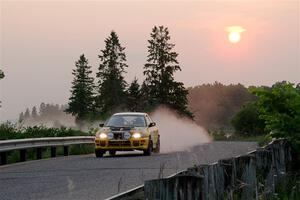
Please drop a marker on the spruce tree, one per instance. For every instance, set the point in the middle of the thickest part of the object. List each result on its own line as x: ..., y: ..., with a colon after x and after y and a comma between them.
x: 134, y: 96
x: 111, y: 83
x: 34, y: 112
x: 81, y: 101
x: 159, y: 71
x: 21, y: 117
x: 27, y: 114
x: 42, y: 109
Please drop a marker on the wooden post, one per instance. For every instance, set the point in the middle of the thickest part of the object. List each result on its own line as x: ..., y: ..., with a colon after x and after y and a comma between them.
x: 39, y: 153
x: 53, y: 152
x: 22, y: 155
x: 3, y: 160
x: 66, y: 150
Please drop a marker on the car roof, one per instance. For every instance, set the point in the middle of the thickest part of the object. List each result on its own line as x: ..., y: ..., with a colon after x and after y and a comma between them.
x: 131, y: 113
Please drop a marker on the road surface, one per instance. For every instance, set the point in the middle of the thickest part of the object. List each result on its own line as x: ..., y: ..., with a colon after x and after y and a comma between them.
x: 88, y: 178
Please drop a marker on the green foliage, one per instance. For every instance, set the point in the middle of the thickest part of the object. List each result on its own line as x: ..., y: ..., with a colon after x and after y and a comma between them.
x: 134, y: 97
x: 82, y: 99
x: 279, y: 107
x: 159, y: 71
x: 289, y: 187
x: 247, y: 121
x: 11, y: 131
x: 111, y: 83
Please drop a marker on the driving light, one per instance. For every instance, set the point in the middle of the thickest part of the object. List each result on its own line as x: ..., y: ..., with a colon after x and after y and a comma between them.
x: 110, y: 136
x: 136, y: 135
x: 126, y: 135
x: 103, y: 136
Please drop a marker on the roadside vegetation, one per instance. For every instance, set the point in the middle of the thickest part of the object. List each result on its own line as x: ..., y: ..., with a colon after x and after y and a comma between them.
x: 12, y: 131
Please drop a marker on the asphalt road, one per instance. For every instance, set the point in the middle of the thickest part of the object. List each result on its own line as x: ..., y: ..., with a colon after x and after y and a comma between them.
x: 86, y: 177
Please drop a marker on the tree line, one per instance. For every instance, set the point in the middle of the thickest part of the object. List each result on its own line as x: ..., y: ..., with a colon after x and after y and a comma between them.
x: 45, y: 111
x: 275, y: 111
x: 214, y: 105
x: 92, y: 99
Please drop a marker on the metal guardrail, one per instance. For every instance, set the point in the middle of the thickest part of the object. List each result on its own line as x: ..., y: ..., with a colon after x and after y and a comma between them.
x: 10, y: 145
x: 39, y: 143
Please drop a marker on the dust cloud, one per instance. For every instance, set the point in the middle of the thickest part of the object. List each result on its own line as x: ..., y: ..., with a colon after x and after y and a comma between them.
x: 177, y: 133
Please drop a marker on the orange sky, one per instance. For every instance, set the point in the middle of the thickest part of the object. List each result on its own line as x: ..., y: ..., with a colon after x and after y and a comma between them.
x: 40, y: 41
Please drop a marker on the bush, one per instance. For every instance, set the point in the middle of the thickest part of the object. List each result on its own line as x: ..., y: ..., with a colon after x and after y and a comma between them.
x: 248, y: 122
x: 11, y: 131
x: 279, y: 107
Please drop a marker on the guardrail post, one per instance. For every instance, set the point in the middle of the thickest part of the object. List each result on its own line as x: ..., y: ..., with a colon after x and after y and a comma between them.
x: 66, y: 150
x: 22, y: 155
x: 39, y: 153
x: 53, y: 152
x: 3, y: 159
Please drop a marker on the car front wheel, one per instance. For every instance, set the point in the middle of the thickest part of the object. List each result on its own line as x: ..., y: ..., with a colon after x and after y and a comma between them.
x: 112, y: 153
x: 157, y: 149
x: 99, y: 153
x: 148, y: 151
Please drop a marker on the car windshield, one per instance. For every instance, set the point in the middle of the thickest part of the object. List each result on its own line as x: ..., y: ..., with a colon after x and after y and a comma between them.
x: 126, y: 121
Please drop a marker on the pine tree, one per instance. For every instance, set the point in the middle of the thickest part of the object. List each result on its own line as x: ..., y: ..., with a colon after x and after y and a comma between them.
x: 21, y: 117
x: 27, y: 114
x: 134, y: 96
x: 111, y: 83
x: 159, y: 71
x: 42, y: 109
x: 81, y: 101
x: 34, y: 112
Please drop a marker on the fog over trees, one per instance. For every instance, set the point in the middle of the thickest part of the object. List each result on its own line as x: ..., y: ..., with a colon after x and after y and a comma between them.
x: 213, y: 105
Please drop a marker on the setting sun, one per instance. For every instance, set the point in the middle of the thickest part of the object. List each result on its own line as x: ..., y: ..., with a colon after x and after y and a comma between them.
x: 234, y: 33
x: 234, y: 37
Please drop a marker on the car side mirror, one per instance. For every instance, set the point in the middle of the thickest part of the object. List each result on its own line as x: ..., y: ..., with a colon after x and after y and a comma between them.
x: 152, y: 124
x: 101, y: 125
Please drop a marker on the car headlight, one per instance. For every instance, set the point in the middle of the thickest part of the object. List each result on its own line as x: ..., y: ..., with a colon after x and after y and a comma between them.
x: 127, y: 135
x: 103, y: 136
x: 136, y: 135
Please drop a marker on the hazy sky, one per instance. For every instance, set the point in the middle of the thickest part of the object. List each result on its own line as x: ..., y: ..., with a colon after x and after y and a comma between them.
x: 41, y: 40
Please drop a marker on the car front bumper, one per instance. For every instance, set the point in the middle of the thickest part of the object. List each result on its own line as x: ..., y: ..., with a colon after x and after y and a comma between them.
x: 121, y: 145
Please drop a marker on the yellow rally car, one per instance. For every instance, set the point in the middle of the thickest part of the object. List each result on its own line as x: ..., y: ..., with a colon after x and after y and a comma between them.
x: 127, y: 132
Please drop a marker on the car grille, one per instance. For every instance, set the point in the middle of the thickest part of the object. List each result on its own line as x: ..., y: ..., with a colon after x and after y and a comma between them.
x: 119, y: 143
x: 118, y: 135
